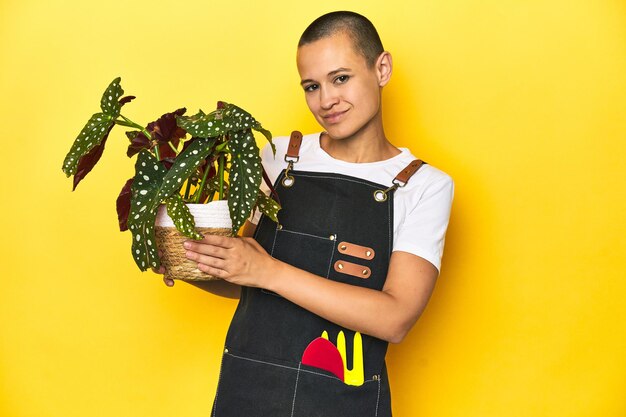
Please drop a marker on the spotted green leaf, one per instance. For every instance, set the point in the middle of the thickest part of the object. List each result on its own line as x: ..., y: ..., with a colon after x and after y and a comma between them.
x: 267, y: 206
x: 202, y: 125
x: 239, y: 119
x: 109, y: 103
x: 184, y: 166
x: 182, y: 217
x: 97, y: 128
x: 268, y: 136
x: 149, y: 174
x: 245, y: 177
x: 94, y: 132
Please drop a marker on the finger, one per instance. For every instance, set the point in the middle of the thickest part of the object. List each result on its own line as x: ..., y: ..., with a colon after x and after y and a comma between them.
x: 222, y: 241
x: 206, y: 249
x: 216, y: 272
x: 168, y: 281
x: 161, y: 270
x: 208, y: 260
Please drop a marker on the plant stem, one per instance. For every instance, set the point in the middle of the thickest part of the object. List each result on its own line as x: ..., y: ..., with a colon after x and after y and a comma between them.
x: 130, y: 123
x: 187, y: 189
x: 201, y: 185
x: 123, y: 123
x: 221, y: 175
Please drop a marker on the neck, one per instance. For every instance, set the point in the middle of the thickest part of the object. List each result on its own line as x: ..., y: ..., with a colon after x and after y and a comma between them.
x: 367, y: 145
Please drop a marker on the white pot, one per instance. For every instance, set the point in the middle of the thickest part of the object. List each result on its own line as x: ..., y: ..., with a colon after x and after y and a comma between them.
x: 211, y: 218
x: 213, y: 214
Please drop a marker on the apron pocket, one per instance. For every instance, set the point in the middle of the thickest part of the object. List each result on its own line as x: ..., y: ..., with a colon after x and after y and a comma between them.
x: 253, y: 387
x: 319, y: 394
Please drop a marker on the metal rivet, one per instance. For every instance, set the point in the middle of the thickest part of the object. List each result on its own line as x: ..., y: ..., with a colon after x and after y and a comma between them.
x: 340, y: 266
x: 375, y: 377
x: 368, y: 253
x: 380, y: 195
x: 287, y: 181
x: 225, y: 350
x: 365, y: 272
x: 279, y: 226
x: 343, y: 247
x: 332, y: 237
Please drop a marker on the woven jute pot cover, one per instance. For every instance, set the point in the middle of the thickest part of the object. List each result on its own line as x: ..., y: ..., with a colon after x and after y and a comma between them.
x: 212, y: 218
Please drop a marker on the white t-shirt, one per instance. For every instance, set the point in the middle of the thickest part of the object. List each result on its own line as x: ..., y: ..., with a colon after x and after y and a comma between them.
x: 421, y: 208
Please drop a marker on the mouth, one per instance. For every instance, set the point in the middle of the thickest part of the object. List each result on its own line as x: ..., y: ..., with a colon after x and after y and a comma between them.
x: 334, y: 117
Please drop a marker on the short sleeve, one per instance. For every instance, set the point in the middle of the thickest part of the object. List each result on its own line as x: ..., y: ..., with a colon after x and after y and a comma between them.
x: 424, y: 228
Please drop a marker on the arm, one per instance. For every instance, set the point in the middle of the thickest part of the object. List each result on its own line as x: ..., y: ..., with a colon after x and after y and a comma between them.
x: 388, y: 314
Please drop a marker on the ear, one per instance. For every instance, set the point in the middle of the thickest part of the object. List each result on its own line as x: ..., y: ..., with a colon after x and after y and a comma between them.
x: 384, y: 68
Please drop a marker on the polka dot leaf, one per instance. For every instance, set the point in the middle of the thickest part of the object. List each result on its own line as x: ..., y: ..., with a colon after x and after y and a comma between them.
x: 94, y: 133
x: 184, y: 166
x: 267, y: 206
x: 202, y: 125
x: 228, y: 118
x: 245, y: 177
x: 182, y: 217
x: 268, y: 136
x: 149, y: 174
x: 110, y: 101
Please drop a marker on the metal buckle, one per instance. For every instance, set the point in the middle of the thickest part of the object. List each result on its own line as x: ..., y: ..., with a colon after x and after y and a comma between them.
x: 381, y: 195
x: 288, y: 180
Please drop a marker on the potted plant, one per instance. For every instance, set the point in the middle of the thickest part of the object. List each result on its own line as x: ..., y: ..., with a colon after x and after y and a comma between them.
x: 184, y: 164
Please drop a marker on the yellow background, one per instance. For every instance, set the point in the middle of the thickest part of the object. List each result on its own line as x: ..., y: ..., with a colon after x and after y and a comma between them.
x: 521, y: 102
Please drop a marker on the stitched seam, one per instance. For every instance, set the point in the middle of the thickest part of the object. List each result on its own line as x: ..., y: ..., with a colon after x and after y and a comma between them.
x: 377, y: 398
x: 389, y: 230
x: 287, y: 367
x: 330, y: 262
x: 295, y: 390
x: 342, y: 179
x: 219, y: 378
x: 274, y: 241
x: 304, y: 234
x: 263, y: 290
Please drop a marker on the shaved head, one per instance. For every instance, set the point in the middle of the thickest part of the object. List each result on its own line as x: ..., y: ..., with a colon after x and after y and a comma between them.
x: 360, y: 30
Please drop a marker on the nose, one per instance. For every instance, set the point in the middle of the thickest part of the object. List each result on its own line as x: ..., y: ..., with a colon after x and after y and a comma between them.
x: 328, y: 98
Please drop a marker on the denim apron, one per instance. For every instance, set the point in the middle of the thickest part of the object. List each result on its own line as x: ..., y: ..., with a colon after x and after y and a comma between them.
x: 338, y: 227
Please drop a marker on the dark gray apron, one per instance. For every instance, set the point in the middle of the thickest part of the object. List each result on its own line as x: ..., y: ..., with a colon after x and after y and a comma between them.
x: 332, y: 226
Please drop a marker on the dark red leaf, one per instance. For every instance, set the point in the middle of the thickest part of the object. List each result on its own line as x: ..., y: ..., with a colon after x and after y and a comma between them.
x: 167, y: 162
x: 138, y: 141
x: 166, y: 152
x: 126, y: 99
x: 165, y: 128
x: 123, y: 205
x: 268, y: 182
x: 89, y: 160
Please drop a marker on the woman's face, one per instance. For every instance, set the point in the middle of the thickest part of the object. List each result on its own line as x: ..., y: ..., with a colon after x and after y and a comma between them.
x: 341, y: 91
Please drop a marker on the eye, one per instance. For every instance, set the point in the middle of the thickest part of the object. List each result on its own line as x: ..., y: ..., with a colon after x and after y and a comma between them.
x: 342, y: 79
x: 310, y: 87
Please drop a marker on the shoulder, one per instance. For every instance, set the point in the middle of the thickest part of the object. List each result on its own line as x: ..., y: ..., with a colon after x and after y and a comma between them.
x: 426, y: 178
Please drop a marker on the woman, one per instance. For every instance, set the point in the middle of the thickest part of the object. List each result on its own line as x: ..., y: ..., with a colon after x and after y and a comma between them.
x: 354, y: 258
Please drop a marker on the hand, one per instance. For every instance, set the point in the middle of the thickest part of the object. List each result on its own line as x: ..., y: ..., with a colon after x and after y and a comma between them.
x: 168, y: 281
x: 239, y: 260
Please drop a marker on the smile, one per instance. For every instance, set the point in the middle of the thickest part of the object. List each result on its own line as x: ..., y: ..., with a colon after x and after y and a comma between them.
x: 334, y: 117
